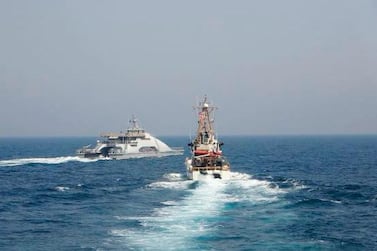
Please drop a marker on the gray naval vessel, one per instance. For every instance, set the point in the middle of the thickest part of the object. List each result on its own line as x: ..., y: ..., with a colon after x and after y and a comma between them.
x: 134, y: 143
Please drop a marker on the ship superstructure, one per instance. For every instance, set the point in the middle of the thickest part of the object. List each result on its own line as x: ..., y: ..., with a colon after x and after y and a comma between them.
x: 206, y: 154
x: 133, y: 143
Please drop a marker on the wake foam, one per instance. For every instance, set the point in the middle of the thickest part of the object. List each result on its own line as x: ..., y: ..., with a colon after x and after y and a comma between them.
x: 61, y: 188
x: 244, y: 187
x: 172, y: 181
x: 181, y: 223
x: 52, y: 160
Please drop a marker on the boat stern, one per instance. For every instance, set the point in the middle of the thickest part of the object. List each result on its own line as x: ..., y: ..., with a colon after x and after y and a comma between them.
x: 197, y: 173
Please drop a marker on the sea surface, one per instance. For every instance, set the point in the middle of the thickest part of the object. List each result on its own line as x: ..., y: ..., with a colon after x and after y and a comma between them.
x: 285, y: 193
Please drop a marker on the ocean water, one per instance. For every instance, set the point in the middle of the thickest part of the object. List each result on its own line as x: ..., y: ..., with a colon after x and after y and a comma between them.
x: 285, y: 193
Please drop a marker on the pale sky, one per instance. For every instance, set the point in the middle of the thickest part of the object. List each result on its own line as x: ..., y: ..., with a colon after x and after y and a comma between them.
x: 78, y: 68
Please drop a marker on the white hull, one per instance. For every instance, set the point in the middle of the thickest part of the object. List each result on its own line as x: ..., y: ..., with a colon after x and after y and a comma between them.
x: 134, y: 143
x: 205, y: 172
x: 198, y: 175
x: 129, y: 155
x: 144, y: 155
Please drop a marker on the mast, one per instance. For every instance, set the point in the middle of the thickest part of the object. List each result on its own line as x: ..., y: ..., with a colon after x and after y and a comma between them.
x: 134, y: 129
x: 205, y: 133
x: 133, y: 122
x: 206, y: 149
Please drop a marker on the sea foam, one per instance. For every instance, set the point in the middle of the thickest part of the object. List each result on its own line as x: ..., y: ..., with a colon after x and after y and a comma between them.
x: 179, y: 223
x: 50, y: 160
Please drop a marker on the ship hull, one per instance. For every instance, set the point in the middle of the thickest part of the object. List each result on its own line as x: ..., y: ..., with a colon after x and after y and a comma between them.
x: 120, y: 156
x: 127, y: 146
x: 89, y: 155
x: 198, y: 173
x: 144, y: 155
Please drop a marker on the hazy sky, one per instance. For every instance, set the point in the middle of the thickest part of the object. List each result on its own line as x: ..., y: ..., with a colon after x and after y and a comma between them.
x: 77, y: 68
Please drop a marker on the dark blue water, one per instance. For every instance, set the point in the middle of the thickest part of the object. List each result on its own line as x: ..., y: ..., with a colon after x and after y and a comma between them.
x: 286, y: 193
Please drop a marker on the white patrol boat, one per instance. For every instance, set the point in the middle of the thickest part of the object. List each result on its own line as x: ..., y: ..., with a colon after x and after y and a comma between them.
x: 134, y: 143
x: 206, y: 155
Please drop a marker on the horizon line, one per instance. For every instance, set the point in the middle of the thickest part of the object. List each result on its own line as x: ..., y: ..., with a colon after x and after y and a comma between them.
x: 223, y: 135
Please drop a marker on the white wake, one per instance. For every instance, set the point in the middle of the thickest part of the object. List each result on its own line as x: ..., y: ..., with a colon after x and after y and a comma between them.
x: 179, y: 223
x: 51, y: 160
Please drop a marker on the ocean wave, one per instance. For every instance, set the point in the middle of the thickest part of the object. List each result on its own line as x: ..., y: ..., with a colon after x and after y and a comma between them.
x: 169, y: 203
x: 314, y: 202
x: 178, y: 223
x: 293, y: 184
x: 243, y: 187
x: 171, y: 181
x: 174, y: 176
x: 177, y: 185
x: 61, y: 188
x: 49, y: 160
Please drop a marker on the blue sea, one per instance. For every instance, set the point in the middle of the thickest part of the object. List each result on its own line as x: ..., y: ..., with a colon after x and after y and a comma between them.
x: 285, y: 193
